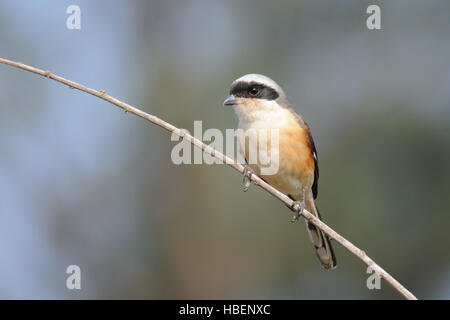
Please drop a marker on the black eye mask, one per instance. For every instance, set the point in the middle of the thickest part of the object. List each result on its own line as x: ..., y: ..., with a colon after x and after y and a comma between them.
x: 253, y: 90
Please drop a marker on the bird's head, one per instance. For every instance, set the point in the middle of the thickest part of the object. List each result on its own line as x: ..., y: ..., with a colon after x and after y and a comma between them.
x: 253, y: 95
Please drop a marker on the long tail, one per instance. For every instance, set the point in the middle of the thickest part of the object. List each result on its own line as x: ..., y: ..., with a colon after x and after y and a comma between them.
x: 319, y: 239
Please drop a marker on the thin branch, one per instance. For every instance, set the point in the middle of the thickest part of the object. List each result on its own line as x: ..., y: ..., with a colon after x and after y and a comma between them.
x: 360, y: 254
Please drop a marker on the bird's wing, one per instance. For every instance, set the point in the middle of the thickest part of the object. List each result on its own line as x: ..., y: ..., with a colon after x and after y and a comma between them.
x: 312, y: 146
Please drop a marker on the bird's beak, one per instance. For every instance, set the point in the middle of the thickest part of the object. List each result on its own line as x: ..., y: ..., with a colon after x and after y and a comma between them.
x: 231, y: 100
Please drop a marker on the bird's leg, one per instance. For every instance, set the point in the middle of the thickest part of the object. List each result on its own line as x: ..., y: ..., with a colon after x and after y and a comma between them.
x: 298, y: 206
x: 247, y: 177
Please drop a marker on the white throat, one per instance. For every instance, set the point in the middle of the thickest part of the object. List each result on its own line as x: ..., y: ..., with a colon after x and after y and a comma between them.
x: 261, y: 115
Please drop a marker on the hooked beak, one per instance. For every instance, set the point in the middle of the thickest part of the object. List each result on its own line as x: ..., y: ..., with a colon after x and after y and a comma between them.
x: 231, y: 100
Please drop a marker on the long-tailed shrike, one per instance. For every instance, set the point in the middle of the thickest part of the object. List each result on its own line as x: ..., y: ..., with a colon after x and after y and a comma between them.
x: 261, y: 105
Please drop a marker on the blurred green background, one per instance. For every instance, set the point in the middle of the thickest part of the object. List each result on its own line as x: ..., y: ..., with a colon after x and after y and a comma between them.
x: 82, y: 183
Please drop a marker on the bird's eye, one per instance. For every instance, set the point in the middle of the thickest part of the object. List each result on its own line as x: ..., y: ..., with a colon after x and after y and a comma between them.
x: 253, y: 91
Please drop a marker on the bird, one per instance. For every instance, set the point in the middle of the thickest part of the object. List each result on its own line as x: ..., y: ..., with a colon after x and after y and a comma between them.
x: 261, y: 105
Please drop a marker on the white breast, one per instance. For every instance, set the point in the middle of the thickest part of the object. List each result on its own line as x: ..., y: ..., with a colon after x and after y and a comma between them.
x: 264, y: 118
x: 261, y: 115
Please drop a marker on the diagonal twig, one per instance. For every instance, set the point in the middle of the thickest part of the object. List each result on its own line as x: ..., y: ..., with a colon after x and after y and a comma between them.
x: 360, y: 254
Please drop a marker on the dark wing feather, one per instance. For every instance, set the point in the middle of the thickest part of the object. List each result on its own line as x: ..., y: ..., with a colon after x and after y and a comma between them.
x: 316, y: 165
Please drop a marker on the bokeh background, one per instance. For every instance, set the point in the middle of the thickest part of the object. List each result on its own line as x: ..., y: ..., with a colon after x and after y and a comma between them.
x: 82, y: 183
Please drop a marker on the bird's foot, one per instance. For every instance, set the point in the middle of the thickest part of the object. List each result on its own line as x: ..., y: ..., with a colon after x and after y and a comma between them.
x: 247, y: 177
x: 298, y: 207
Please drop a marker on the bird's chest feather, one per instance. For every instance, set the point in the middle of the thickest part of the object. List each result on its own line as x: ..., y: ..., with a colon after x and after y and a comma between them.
x: 280, y: 138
